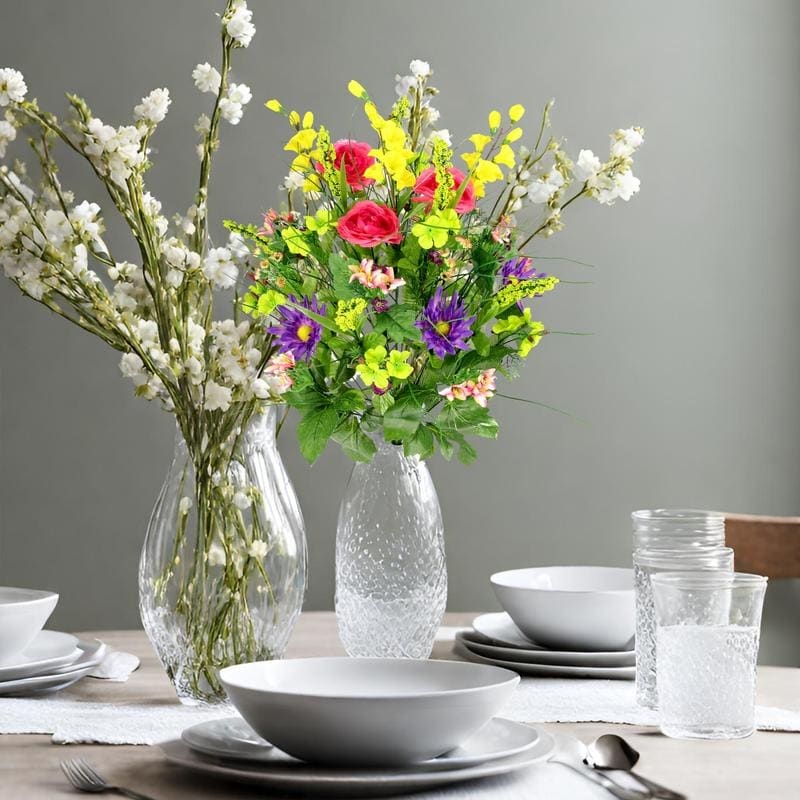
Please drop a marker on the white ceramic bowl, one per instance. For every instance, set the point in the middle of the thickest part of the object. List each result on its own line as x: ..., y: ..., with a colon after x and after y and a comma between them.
x: 23, y: 613
x: 570, y: 608
x: 360, y: 712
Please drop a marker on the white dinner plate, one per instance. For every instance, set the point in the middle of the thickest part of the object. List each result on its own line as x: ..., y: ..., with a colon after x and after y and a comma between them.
x: 483, y: 646
x: 462, y: 649
x: 48, y: 650
x: 500, y: 628
x: 308, y: 779
x: 233, y: 738
x: 91, y: 654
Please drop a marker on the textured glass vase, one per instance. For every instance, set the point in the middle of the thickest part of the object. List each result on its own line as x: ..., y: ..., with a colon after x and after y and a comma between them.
x: 391, y: 576
x: 223, y: 569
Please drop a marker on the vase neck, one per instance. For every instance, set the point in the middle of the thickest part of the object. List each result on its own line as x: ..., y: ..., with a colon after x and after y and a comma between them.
x: 258, y: 431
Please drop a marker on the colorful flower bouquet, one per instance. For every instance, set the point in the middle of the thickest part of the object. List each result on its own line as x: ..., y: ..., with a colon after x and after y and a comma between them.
x: 396, y: 283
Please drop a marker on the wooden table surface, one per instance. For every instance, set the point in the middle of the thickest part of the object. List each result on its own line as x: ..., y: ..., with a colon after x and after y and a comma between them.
x: 765, y: 766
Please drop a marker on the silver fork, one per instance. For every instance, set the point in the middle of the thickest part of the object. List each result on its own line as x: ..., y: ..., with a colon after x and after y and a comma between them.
x: 84, y: 777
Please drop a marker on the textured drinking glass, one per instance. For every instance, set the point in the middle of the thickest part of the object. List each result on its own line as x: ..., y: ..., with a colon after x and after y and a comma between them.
x: 708, y: 630
x: 391, y: 577
x: 223, y: 568
x: 676, y: 529
x: 647, y: 563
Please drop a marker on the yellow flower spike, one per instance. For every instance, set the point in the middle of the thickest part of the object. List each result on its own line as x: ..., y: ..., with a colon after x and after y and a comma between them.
x: 274, y: 105
x: 301, y: 163
x: 357, y: 90
x: 375, y: 172
x: 516, y: 112
x: 513, y: 135
x: 471, y: 159
x: 505, y: 156
x: 308, y: 119
x: 480, y: 140
x: 494, y: 120
x: 371, y: 111
x: 294, y: 118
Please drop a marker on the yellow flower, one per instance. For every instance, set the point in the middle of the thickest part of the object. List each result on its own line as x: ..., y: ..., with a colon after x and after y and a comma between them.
x: 397, y: 366
x: 295, y: 241
x: 357, y: 90
x: 294, y: 118
x: 480, y: 140
x: 487, y: 172
x: 434, y: 230
x: 494, y: 120
x: 308, y: 119
x: 274, y: 105
x: 505, y: 156
x: 302, y: 140
x: 349, y: 313
x: 516, y: 112
x: 513, y: 135
x: 532, y: 339
x: 513, y: 322
x: 371, y: 370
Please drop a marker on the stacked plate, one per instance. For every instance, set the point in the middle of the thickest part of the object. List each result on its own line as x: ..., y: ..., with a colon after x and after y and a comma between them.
x: 51, y: 662
x: 361, y: 727
x: 495, y: 639
x: 228, y: 748
x: 33, y: 660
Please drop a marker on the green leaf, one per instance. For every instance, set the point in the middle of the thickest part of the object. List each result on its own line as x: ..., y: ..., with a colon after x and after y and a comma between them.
x: 466, y: 416
x: 466, y: 452
x: 355, y: 443
x: 421, y: 445
x: 350, y: 400
x: 402, y: 420
x: 373, y: 339
x: 398, y: 324
x: 314, y: 430
x: 382, y: 402
x: 481, y: 342
x: 340, y: 275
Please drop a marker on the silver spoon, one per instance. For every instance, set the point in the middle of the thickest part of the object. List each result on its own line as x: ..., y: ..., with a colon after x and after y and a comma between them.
x: 571, y: 753
x: 613, y: 752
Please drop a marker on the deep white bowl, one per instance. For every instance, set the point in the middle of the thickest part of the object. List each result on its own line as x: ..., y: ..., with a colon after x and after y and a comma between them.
x: 360, y: 712
x: 570, y: 608
x: 23, y: 613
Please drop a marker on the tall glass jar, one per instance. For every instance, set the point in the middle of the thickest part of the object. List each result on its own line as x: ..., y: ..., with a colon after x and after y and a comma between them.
x: 647, y: 563
x: 675, y: 529
x: 391, y: 577
x: 223, y: 568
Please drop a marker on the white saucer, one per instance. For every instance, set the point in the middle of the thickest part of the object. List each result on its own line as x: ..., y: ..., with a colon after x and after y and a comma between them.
x: 500, y: 628
x: 462, y: 649
x: 90, y: 655
x: 296, y: 776
x: 480, y: 644
x: 232, y: 738
x: 48, y: 650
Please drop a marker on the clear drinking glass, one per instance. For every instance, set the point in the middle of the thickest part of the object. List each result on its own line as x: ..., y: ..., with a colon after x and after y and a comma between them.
x: 391, y: 576
x: 647, y: 563
x: 675, y: 529
x: 708, y: 630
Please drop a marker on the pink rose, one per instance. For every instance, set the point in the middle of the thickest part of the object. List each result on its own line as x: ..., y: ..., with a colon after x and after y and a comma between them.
x: 356, y: 162
x: 368, y: 224
x: 426, y: 185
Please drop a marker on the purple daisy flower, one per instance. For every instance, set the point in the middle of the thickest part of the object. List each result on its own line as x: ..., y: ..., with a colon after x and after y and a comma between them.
x: 445, y: 325
x: 297, y: 333
x: 520, y: 269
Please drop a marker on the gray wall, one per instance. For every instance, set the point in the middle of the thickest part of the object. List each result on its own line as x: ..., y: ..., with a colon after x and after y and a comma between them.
x: 688, y: 393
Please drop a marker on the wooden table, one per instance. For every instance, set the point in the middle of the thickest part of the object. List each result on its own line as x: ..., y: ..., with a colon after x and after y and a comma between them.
x: 767, y: 765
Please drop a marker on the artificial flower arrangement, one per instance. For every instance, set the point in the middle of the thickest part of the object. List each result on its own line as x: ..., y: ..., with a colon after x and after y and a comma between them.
x: 396, y: 280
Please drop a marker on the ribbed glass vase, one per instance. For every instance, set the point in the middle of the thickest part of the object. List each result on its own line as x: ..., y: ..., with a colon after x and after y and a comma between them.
x: 223, y: 568
x: 391, y: 576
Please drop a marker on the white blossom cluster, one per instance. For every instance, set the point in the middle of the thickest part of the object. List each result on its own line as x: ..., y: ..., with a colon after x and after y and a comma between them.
x: 414, y: 87
x: 614, y: 179
x: 238, y: 23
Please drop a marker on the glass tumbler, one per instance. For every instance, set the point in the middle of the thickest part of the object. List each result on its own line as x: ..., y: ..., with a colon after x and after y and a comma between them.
x: 707, y: 632
x: 647, y: 563
x: 676, y: 529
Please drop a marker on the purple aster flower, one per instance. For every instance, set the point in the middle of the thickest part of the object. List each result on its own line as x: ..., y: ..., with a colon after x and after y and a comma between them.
x: 520, y: 269
x: 297, y: 333
x: 445, y: 325
x: 380, y: 304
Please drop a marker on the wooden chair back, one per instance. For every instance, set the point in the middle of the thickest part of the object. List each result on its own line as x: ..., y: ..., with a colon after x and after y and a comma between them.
x: 764, y: 545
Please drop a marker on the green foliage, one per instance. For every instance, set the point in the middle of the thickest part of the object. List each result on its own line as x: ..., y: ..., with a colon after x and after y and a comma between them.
x: 398, y: 324
x: 355, y: 443
x: 314, y: 430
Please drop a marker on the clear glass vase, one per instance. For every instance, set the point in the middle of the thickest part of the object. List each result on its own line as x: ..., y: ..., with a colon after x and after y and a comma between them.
x: 223, y: 568
x: 391, y: 576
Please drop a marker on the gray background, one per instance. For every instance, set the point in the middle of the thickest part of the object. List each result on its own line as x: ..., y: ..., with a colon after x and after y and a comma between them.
x: 686, y: 394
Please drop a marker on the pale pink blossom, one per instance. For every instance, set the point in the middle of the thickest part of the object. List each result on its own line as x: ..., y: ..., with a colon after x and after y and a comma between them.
x: 374, y: 277
x: 480, y: 390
